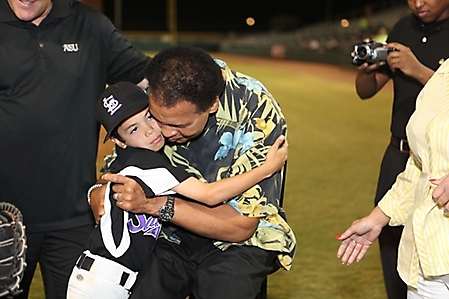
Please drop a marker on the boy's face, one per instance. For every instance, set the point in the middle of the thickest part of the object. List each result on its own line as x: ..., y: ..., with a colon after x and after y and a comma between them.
x: 141, y: 131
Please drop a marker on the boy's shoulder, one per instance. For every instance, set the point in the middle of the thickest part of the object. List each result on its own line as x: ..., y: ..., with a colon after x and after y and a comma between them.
x: 142, y: 158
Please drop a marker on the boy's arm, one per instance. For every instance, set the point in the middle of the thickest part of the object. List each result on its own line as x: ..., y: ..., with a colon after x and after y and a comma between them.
x: 219, y: 191
x: 221, y: 222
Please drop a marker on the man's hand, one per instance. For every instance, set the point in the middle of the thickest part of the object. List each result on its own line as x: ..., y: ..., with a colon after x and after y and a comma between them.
x: 441, y: 193
x: 131, y: 197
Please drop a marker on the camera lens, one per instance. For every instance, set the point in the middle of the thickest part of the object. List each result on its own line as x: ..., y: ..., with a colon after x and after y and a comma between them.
x: 361, y: 52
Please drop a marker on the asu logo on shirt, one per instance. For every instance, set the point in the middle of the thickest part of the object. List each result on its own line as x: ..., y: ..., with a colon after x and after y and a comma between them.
x: 70, y: 47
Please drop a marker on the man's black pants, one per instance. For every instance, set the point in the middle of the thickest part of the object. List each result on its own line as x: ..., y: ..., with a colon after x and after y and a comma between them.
x: 56, y: 253
x: 197, y: 267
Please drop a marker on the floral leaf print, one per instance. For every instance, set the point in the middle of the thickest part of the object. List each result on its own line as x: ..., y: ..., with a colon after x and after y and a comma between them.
x: 246, y: 142
x: 265, y: 126
x: 252, y: 84
x: 220, y: 63
x: 228, y: 141
x: 234, y: 203
x: 237, y: 136
x: 226, y: 145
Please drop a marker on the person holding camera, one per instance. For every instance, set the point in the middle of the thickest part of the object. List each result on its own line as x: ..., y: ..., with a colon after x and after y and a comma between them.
x: 419, y: 44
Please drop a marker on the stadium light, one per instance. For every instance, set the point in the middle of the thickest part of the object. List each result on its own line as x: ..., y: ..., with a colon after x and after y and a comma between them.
x: 250, y: 21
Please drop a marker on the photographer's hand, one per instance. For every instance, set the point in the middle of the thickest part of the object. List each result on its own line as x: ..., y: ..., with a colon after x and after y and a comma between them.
x: 370, y: 68
x: 369, y: 81
x: 403, y: 59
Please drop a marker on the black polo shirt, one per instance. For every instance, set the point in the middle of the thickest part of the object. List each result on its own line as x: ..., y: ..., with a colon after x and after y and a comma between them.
x: 50, y: 78
x: 430, y: 44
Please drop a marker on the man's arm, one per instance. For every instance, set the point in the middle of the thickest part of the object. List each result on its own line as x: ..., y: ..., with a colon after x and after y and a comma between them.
x: 96, y: 200
x: 222, y: 222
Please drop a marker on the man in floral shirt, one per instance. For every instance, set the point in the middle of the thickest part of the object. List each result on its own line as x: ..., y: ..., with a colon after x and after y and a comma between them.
x: 216, y: 128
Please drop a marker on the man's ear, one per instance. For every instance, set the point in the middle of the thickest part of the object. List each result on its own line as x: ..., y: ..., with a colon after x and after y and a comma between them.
x: 214, y: 106
x: 118, y: 142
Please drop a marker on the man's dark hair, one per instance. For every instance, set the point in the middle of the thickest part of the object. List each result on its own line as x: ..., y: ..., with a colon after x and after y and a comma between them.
x: 184, y: 73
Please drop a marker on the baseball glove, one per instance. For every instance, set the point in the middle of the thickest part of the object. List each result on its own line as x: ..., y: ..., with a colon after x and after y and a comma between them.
x: 12, y: 249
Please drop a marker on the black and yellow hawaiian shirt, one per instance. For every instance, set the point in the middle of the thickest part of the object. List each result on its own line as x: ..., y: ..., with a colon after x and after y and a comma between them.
x: 236, y: 139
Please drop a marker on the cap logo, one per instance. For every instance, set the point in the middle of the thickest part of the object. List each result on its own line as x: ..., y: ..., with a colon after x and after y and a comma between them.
x: 111, y: 104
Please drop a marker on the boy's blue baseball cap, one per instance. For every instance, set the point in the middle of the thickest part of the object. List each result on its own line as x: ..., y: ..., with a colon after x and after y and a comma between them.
x: 117, y: 103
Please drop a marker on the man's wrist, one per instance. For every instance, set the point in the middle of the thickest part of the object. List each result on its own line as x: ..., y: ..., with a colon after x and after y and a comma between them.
x: 92, y: 188
x: 167, y: 211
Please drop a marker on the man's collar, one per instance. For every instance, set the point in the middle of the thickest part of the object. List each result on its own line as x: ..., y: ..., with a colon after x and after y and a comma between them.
x: 61, y: 9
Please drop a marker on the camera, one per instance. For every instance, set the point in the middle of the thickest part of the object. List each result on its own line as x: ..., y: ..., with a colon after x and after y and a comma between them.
x: 370, y: 52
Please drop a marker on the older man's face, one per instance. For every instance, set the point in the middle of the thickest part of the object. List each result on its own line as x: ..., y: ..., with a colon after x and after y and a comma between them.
x: 31, y: 10
x: 181, y: 122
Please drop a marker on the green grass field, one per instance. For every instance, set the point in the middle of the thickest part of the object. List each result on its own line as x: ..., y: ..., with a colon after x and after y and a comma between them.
x: 336, y: 144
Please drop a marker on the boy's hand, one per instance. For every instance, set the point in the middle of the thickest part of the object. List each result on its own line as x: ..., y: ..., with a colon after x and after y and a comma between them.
x: 277, y: 155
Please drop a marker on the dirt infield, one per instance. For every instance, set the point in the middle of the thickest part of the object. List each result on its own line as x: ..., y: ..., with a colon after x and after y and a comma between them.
x: 324, y: 71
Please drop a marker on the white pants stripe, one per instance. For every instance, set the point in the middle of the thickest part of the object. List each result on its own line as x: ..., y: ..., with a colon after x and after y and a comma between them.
x: 433, y: 288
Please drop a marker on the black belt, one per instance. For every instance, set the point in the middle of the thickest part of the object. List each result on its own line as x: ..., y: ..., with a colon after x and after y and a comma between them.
x: 400, y: 144
x: 85, y: 262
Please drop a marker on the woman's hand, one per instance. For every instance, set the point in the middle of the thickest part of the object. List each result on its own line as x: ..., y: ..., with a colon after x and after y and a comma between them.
x: 441, y: 193
x: 357, y: 239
